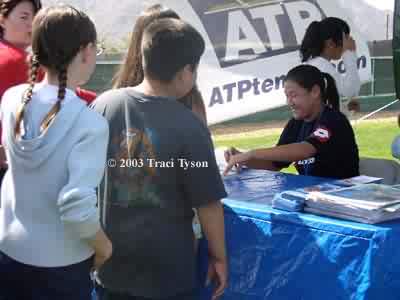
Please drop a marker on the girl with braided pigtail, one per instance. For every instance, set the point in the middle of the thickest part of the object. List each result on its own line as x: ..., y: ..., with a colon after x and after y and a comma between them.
x: 15, y: 37
x: 62, y: 79
x: 50, y: 234
x: 28, y: 95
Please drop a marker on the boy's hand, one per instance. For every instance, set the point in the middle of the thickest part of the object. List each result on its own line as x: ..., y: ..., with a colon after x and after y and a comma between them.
x: 217, y: 273
x: 211, y: 218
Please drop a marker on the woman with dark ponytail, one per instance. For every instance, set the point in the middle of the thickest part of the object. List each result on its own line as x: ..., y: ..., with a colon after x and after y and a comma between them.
x: 319, y: 139
x: 56, y: 148
x: 329, y: 40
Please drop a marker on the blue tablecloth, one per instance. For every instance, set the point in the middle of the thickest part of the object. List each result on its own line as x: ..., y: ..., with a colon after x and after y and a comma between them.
x: 281, y: 255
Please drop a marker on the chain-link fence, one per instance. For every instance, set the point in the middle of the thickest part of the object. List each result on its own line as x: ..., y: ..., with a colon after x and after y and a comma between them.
x: 382, y: 83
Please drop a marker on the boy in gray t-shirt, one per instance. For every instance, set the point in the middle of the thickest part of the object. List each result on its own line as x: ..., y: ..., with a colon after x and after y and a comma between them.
x: 161, y: 164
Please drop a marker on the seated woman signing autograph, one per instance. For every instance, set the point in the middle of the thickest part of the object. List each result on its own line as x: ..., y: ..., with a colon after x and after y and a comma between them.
x: 319, y: 139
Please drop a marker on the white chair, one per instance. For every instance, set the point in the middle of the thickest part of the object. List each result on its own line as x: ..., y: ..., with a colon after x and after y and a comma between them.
x: 387, y: 169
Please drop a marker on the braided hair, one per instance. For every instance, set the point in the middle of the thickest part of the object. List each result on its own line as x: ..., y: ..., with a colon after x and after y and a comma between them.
x: 33, y: 73
x: 62, y: 79
x: 58, y: 34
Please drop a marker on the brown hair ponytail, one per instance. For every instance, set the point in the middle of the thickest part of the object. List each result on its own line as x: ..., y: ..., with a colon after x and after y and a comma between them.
x: 194, y: 101
x: 318, y: 32
x: 130, y: 72
x: 308, y: 76
x: 331, y: 93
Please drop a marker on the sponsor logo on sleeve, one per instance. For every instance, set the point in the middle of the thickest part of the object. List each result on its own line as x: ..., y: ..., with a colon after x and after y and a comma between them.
x: 322, y: 134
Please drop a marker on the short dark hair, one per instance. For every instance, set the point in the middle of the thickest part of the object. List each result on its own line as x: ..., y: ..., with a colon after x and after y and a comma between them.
x: 168, y: 45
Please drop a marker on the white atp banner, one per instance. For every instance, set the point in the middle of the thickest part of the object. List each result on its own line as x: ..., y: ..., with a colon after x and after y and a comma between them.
x: 251, y: 45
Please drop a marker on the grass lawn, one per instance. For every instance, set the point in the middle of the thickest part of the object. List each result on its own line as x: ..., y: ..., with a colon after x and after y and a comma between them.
x: 374, y: 138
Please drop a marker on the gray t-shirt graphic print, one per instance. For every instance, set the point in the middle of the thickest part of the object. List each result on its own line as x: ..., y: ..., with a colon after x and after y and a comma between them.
x: 133, y: 175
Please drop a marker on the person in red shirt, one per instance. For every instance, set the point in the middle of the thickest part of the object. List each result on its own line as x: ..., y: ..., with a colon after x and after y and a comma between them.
x: 86, y: 95
x: 14, y: 70
x: 16, y: 18
x: 15, y: 37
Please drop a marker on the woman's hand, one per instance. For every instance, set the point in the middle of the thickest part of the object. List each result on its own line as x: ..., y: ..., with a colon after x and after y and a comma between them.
x: 237, y: 160
x: 229, y: 152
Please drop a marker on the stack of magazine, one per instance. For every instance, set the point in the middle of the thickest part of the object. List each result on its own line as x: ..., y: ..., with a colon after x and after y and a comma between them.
x: 365, y: 203
x: 295, y: 200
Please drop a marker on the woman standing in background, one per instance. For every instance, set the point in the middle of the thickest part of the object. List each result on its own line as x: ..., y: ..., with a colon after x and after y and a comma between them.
x: 327, y: 40
x: 131, y: 71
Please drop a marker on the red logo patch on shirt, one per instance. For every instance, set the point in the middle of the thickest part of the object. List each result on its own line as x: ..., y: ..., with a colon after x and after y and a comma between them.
x: 322, y: 134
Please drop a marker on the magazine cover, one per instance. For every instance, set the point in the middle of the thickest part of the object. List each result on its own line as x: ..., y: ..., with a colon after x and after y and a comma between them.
x: 322, y: 187
x: 364, y: 195
x: 361, y: 179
